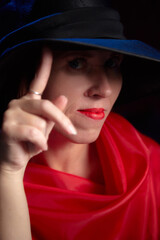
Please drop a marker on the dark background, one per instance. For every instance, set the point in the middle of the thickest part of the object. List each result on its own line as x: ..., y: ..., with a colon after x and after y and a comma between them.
x: 141, y: 21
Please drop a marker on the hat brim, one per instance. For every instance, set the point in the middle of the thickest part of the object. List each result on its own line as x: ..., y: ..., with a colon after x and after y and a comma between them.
x: 140, y: 68
x: 60, y: 30
x: 128, y: 47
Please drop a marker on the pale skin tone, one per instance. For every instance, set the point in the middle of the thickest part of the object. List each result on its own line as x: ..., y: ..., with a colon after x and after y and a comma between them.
x: 51, y: 124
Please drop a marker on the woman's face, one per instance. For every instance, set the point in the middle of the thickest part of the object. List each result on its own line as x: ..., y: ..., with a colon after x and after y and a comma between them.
x: 91, y: 80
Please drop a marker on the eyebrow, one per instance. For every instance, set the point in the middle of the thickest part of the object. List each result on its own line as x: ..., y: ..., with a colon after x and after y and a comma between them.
x: 75, y: 53
x: 84, y: 53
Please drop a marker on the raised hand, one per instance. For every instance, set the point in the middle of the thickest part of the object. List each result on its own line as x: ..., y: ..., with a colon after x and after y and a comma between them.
x: 29, y: 120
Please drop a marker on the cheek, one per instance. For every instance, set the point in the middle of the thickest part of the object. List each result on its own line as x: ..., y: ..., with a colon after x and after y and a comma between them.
x: 116, y: 88
x: 63, y: 84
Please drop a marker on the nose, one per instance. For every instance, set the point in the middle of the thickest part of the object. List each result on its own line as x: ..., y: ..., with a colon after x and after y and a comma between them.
x: 100, y: 84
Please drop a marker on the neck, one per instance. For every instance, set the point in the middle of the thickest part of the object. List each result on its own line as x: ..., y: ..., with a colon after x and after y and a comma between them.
x: 73, y: 158
x: 66, y: 156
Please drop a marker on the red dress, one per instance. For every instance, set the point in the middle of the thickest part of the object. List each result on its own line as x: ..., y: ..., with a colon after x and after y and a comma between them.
x: 66, y: 207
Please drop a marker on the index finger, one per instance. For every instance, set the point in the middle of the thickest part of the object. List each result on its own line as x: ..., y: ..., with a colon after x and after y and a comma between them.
x: 40, y: 80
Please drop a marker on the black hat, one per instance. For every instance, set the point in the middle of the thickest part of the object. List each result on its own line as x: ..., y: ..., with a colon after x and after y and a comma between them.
x: 91, y: 23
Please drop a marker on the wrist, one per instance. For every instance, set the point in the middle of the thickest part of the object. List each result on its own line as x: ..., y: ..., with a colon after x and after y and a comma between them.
x: 6, y: 171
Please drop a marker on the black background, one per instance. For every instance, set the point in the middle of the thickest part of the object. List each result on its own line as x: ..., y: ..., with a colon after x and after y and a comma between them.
x: 141, y: 20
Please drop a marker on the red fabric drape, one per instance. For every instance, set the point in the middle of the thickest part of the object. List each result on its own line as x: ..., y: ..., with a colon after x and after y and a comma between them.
x: 66, y: 207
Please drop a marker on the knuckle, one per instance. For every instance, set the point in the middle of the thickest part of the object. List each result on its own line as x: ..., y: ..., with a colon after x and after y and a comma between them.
x: 35, y: 136
x: 8, y: 115
x: 44, y: 104
x: 6, y: 127
x: 41, y: 124
x: 32, y: 133
x: 12, y: 103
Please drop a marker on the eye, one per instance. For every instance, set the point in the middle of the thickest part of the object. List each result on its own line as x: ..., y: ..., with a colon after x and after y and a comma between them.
x: 77, y: 63
x: 113, y: 62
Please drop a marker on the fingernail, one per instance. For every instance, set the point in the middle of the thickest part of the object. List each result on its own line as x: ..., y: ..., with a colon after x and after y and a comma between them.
x: 71, y: 130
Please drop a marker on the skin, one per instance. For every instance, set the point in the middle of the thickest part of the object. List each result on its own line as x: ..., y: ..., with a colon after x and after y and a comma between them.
x: 90, y: 85
x: 51, y: 124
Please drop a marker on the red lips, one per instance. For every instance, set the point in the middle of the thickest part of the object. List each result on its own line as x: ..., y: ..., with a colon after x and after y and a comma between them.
x: 94, y: 113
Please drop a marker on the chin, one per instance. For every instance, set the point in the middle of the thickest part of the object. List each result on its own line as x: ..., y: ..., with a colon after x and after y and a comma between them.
x: 84, y: 137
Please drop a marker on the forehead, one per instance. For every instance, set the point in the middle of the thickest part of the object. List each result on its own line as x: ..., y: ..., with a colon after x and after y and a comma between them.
x: 86, y: 53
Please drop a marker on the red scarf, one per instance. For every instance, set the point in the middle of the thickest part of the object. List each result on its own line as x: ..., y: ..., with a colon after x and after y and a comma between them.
x: 67, y: 207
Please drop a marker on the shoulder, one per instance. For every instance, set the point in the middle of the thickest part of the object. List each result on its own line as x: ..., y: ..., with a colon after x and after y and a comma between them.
x: 119, y: 125
x: 131, y: 141
x: 135, y: 146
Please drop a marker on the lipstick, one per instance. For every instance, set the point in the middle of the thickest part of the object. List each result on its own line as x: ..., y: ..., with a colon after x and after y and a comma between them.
x: 94, y: 113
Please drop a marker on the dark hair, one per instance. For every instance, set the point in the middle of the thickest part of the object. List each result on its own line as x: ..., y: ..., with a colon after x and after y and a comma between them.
x: 16, y: 73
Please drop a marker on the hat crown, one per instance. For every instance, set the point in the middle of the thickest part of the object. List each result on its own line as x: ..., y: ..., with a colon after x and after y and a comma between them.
x: 41, y: 8
x: 19, y: 13
x: 62, y: 5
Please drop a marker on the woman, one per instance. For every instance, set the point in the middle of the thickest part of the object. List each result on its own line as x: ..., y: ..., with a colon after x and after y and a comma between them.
x: 81, y: 181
